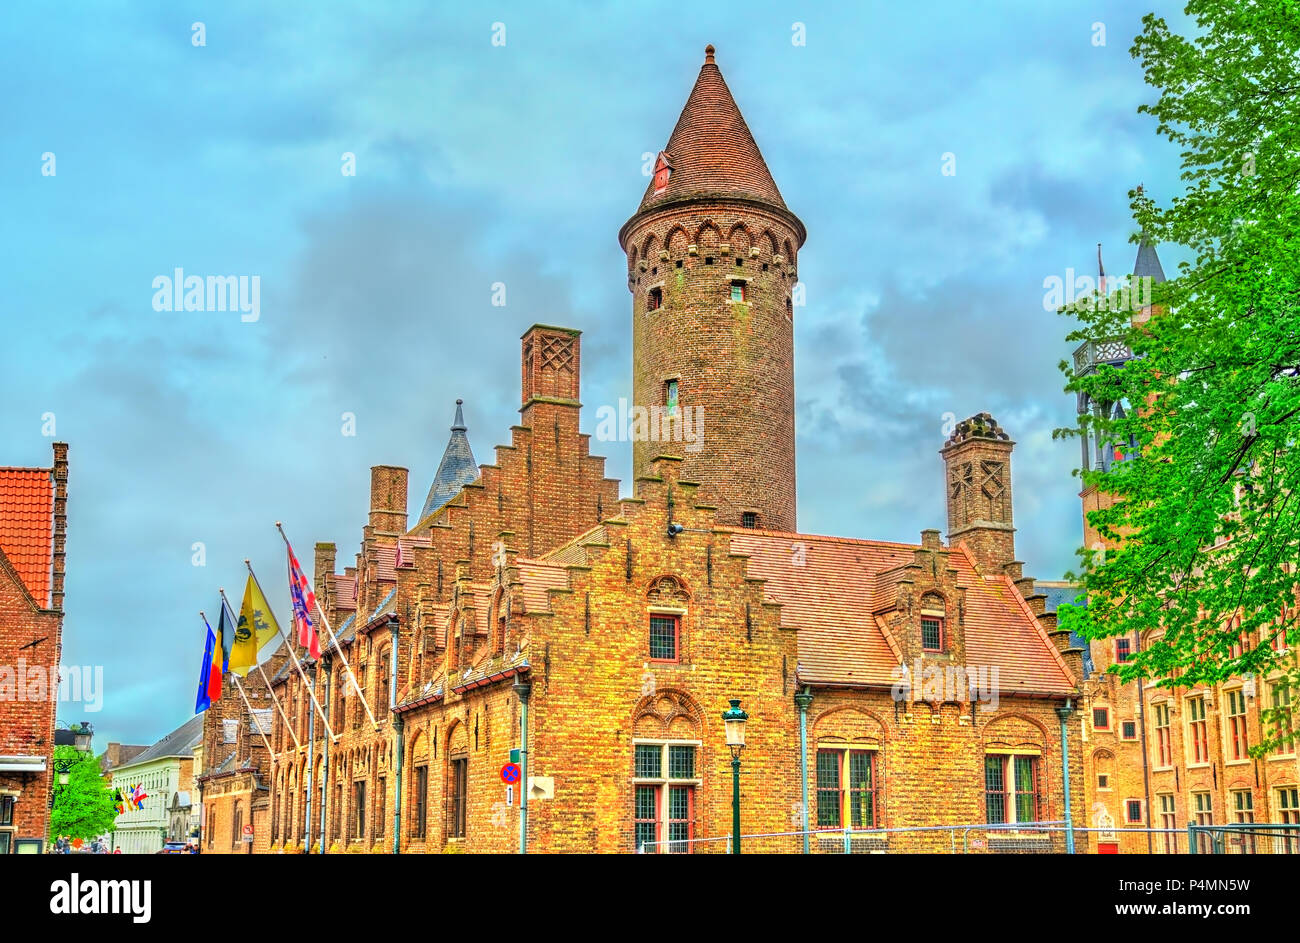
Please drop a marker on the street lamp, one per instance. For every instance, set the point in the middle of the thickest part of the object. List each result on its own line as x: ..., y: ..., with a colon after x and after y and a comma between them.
x: 733, y: 720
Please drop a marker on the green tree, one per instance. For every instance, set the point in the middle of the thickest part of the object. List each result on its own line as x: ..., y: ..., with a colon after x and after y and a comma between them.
x: 84, y: 808
x: 1207, y: 518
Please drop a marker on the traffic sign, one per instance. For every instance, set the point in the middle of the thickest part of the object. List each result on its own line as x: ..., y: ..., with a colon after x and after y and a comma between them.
x: 248, y: 832
x: 510, y: 773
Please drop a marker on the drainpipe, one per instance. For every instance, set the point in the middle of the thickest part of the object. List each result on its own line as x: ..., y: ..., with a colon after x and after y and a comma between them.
x: 400, y: 745
x: 311, y: 744
x: 803, y: 699
x: 523, y: 687
x: 325, y: 751
x: 1064, y: 714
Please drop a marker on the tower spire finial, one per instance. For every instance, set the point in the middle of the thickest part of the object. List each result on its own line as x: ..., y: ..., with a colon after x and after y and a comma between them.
x: 708, y: 54
x: 459, y: 424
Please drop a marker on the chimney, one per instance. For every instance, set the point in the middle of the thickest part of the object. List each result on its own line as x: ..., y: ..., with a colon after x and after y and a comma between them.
x: 60, y: 524
x: 550, y: 364
x: 388, y: 499
x: 977, y: 462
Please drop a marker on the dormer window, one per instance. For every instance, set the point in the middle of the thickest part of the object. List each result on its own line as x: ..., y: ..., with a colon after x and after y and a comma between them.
x: 933, y: 615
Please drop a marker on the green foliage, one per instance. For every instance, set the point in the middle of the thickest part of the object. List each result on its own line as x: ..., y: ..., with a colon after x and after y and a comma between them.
x: 1207, y: 520
x: 84, y: 808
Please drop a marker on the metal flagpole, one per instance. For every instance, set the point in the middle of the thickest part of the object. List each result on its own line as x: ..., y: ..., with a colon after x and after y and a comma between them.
x: 294, y: 655
x: 344, y: 658
x: 239, y: 685
x: 283, y: 716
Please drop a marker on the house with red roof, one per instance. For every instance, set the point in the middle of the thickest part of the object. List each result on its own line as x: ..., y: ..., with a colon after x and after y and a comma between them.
x: 33, y: 527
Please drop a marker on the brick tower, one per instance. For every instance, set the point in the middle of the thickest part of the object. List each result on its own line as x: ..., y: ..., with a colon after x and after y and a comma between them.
x: 977, y: 457
x: 711, y: 268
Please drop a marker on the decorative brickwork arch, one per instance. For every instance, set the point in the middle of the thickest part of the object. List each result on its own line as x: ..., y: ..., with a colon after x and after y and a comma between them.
x: 850, y: 724
x: 767, y: 243
x: 667, y: 714
x: 667, y: 591
x: 740, y: 241
x: 1012, y: 730
x: 650, y: 244
x: 457, y: 738
x: 707, y: 237
x: 677, y: 240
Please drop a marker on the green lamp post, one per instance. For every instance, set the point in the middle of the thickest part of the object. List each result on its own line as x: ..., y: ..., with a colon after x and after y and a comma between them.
x: 733, y: 720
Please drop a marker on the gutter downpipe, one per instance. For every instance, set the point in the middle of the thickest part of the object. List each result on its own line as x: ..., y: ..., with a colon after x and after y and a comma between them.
x: 803, y: 699
x: 1063, y: 713
x: 399, y: 727
x: 523, y: 688
x: 326, y: 666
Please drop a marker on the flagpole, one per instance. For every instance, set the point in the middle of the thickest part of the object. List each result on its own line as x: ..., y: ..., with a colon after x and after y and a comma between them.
x: 294, y: 655
x: 344, y: 658
x: 240, y: 685
x: 283, y: 716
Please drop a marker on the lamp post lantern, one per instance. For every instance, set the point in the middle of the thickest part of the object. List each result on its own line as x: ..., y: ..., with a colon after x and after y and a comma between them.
x: 733, y: 721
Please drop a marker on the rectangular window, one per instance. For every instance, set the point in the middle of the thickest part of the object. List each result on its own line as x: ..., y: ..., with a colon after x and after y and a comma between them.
x: 1288, y: 813
x: 381, y: 798
x: 663, y: 638
x: 670, y: 397
x: 931, y: 634
x: 359, y: 803
x: 738, y: 291
x: 664, y: 806
x: 1197, y: 730
x: 456, y: 797
x: 1280, y: 702
x: 1101, y: 718
x: 1164, y: 749
x: 1133, y: 811
x: 7, y: 810
x: 1010, y: 788
x: 655, y: 299
x: 1238, y: 738
x: 1123, y: 650
x: 1243, y: 813
x: 1129, y: 730
x: 1203, y: 814
x: 1103, y: 780
x: 749, y: 519
x: 846, y: 788
x: 1168, y: 822
x: 421, y: 803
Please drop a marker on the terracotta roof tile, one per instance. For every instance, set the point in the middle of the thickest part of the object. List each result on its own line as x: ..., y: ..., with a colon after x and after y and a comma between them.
x: 27, y: 526
x: 711, y: 150
x: 830, y: 597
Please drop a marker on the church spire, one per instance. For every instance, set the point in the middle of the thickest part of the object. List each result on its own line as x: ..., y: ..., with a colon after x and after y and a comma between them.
x: 456, y: 470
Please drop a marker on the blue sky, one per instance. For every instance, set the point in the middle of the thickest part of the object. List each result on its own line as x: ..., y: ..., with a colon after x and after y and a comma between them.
x: 517, y: 163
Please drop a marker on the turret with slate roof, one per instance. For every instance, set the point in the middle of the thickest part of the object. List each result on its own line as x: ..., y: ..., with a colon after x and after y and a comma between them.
x: 456, y: 470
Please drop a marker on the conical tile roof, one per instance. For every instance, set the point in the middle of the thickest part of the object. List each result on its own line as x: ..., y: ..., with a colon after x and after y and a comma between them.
x: 711, y: 150
x: 456, y: 470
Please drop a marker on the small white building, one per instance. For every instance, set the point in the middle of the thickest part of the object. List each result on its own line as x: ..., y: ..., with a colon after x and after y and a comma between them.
x: 165, y: 771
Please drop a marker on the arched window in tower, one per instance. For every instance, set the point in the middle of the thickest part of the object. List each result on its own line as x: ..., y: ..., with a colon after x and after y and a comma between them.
x: 663, y: 170
x: 933, y: 615
x: 670, y: 397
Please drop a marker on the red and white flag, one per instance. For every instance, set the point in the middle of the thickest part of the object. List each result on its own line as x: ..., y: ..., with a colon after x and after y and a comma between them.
x: 304, y: 604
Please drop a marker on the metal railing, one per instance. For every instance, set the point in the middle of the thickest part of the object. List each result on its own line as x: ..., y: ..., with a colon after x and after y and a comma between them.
x: 1244, y: 838
x: 1018, y: 838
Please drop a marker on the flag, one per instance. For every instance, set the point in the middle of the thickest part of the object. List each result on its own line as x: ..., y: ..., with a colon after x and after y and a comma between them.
x: 304, y: 604
x: 217, y: 668
x: 226, y: 634
x: 255, y: 628
x: 398, y: 562
x: 203, y: 701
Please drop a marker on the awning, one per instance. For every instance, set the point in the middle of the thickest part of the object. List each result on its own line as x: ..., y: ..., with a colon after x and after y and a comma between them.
x: 22, y: 764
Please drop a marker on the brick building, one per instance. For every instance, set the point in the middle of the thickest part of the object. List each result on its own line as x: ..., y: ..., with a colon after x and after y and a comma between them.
x: 165, y: 771
x: 1162, y: 757
x: 33, y: 530
x: 530, y: 607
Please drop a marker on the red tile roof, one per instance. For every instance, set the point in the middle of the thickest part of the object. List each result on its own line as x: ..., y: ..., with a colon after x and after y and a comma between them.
x: 27, y: 526
x: 711, y: 150
x: 827, y: 588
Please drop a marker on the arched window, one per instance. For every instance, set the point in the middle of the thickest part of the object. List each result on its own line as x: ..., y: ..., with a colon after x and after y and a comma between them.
x: 933, y: 618
x: 236, y: 826
x: 383, y: 679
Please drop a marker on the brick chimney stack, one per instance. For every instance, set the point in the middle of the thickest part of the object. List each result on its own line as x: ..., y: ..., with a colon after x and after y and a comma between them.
x: 977, y: 461
x: 388, y: 499
x: 60, y: 524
